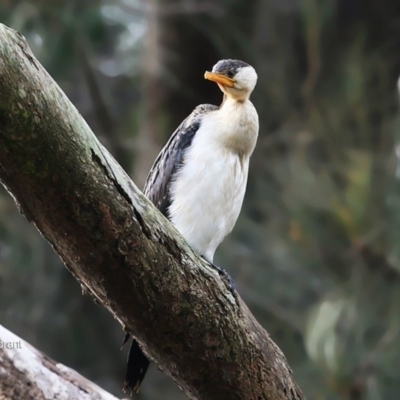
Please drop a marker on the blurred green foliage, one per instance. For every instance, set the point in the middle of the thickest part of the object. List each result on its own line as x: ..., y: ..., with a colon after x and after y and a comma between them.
x: 316, y: 251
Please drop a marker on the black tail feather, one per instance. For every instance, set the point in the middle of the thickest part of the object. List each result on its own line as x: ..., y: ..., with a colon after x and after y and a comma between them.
x: 126, y: 338
x: 136, y: 368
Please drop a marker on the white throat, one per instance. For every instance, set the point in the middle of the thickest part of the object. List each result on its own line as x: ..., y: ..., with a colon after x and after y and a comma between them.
x: 238, y: 123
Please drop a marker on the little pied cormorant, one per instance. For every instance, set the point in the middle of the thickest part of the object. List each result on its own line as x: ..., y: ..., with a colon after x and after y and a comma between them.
x: 198, y: 181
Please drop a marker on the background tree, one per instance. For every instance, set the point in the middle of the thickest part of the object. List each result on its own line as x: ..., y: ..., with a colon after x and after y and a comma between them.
x: 316, y: 252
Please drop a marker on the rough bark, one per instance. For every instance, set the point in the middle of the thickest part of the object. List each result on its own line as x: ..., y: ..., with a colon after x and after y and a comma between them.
x: 121, y: 249
x: 28, y: 374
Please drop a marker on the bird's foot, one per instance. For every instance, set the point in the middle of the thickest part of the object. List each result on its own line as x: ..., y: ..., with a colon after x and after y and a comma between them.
x: 222, y: 273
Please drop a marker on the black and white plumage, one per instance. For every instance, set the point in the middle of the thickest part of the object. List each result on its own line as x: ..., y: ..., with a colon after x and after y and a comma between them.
x: 171, y: 159
x: 198, y: 181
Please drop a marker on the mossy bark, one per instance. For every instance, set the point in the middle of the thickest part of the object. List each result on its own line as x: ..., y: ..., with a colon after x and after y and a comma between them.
x: 121, y: 249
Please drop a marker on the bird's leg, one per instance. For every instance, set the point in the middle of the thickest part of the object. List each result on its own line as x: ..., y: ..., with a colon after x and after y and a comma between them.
x: 222, y: 272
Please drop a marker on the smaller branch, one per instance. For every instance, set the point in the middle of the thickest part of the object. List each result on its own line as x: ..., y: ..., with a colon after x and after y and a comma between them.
x: 26, y: 373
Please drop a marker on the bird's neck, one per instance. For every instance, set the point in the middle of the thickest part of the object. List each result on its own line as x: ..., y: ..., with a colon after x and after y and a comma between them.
x: 238, y: 99
x: 239, y: 126
x: 231, y: 106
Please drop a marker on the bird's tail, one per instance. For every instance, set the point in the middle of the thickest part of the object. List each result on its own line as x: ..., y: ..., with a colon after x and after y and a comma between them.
x: 136, y: 367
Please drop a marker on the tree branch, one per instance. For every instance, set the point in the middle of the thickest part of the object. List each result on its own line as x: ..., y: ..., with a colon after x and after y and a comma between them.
x: 121, y: 249
x: 28, y: 374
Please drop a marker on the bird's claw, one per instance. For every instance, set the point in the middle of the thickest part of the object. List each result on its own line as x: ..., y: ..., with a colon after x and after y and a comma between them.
x: 222, y: 272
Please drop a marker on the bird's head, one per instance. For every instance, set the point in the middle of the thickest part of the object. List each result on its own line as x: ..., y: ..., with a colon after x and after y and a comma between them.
x: 235, y: 78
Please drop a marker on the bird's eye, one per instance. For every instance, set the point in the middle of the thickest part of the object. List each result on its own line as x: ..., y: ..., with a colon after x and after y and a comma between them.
x: 230, y: 74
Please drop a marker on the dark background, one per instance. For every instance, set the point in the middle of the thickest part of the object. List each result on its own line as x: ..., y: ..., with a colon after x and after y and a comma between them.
x: 316, y: 250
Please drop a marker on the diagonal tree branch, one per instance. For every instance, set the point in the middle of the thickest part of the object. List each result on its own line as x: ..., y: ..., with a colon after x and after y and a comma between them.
x: 121, y: 249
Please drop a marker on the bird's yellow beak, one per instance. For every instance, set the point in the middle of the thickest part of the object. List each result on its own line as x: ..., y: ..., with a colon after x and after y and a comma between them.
x: 219, y: 78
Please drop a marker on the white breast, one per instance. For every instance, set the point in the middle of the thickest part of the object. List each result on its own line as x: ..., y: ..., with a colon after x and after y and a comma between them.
x: 208, y: 191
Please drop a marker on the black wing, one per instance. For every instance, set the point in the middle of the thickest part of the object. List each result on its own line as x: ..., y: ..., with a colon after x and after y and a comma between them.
x: 170, y: 159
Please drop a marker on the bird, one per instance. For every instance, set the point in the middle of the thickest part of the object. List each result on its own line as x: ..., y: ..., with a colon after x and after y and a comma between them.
x: 198, y: 181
